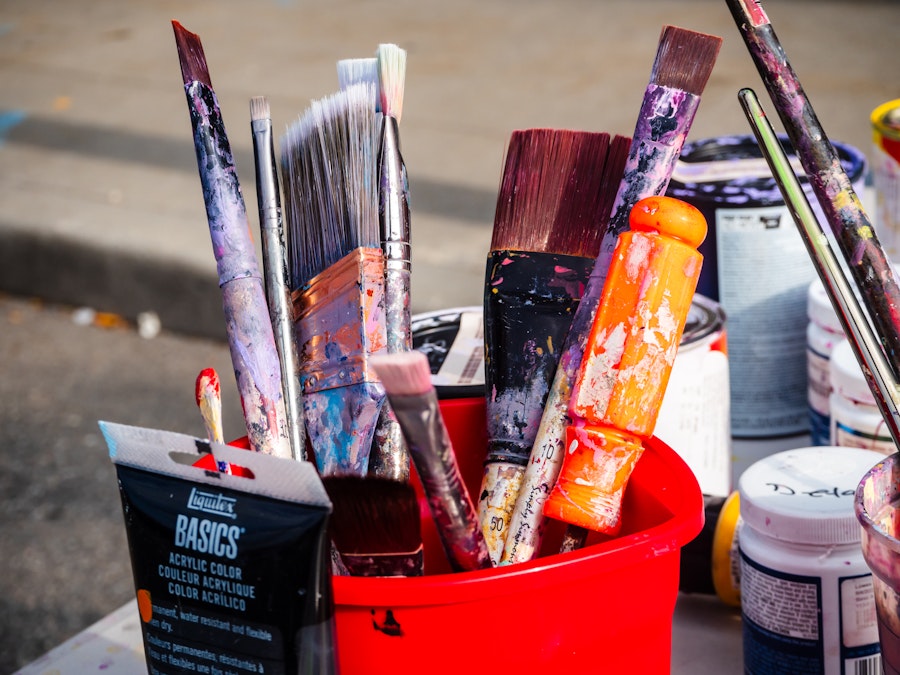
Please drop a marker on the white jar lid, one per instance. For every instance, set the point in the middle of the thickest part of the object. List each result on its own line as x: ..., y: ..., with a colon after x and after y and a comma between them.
x: 820, y: 310
x: 805, y: 496
x: 846, y: 375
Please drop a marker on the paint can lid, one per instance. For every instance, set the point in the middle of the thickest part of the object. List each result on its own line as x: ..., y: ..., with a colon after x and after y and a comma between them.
x: 731, y: 170
x: 846, y: 374
x: 705, y: 317
x: 806, y: 496
x: 453, y: 341
x: 819, y: 309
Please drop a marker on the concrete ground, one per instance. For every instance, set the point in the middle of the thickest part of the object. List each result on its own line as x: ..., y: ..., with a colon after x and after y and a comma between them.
x: 100, y: 202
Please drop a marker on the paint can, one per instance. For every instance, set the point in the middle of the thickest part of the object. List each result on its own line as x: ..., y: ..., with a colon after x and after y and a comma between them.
x: 807, y: 603
x: 823, y: 332
x: 453, y: 341
x: 757, y: 267
x: 693, y: 419
x: 886, y: 175
x: 856, y: 421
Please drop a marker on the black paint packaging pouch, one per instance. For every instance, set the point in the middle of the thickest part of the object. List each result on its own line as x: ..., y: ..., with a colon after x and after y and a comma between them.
x: 231, y: 571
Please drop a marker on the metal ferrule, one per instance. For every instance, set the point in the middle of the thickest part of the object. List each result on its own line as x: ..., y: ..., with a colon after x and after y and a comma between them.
x: 393, y: 212
x: 340, y: 322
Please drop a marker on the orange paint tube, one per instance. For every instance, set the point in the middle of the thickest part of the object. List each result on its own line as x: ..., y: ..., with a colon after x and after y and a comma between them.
x: 627, y: 360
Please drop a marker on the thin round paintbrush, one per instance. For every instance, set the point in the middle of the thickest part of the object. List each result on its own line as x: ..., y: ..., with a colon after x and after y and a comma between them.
x: 337, y: 273
x: 551, y: 214
x: 250, y: 337
x: 682, y: 66
x: 274, y: 257
x: 207, y: 393
x: 407, y: 380
x: 390, y: 457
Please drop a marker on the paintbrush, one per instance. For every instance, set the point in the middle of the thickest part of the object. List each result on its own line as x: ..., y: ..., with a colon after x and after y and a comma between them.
x: 683, y: 64
x: 337, y: 269
x: 407, y: 380
x: 625, y: 369
x: 875, y: 366
x: 551, y: 213
x: 390, y: 457
x: 357, y: 71
x: 250, y: 337
x: 849, y: 223
x: 376, y: 526
x: 207, y: 393
x: 274, y: 257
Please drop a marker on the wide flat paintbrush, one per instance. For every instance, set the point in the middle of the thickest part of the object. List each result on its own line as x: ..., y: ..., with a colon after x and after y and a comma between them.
x: 407, y: 379
x: 250, y: 337
x: 274, y: 256
x: 337, y: 267
x: 550, y: 217
x: 375, y: 526
x: 684, y: 61
x: 854, y: 233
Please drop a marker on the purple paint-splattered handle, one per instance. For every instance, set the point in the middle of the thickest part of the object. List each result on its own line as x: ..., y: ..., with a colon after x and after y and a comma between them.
x: 852, y: 229
x: 248, y: 328
x: 663, y: 124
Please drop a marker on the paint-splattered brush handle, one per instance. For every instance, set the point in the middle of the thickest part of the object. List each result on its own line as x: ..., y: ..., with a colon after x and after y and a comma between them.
x: 877, y: 370
x: 433, y: 456
x: 834, y: 191
x: 249, y: 330
x: 529, y: 302
x: 662, y: 127
x: 389, y: 457
x: 626, y: 367
x: 275, y: 269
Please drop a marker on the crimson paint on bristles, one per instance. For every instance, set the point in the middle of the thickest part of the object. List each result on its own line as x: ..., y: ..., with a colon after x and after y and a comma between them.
x: 685, y: 59
x: 191, y: 55
x: 375, y: 525
x: 550, y: 192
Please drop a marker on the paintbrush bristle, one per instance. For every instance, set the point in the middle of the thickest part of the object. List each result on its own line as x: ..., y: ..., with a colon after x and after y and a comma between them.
x: 373, y: 516
x: 391, y: 79
x: 685, y: 59
x: 259, y: 108
x: 356, y: 71
x: 403, y: 373
x: 550, y: 193
x: 329, y: 167
x: 191, y: 56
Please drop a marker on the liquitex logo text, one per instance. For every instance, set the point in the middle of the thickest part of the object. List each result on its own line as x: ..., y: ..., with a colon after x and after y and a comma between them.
x: 208, y: 502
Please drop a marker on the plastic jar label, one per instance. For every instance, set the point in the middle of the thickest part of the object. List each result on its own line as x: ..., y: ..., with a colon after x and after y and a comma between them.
x: 782, y: 616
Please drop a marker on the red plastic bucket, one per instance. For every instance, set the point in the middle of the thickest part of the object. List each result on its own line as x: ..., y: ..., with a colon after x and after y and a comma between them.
x: 606, y: 608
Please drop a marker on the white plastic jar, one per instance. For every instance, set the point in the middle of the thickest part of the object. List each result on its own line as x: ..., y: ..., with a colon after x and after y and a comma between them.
x: 823, y: 332
x: 807, y: 602
x: 856, y: 421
